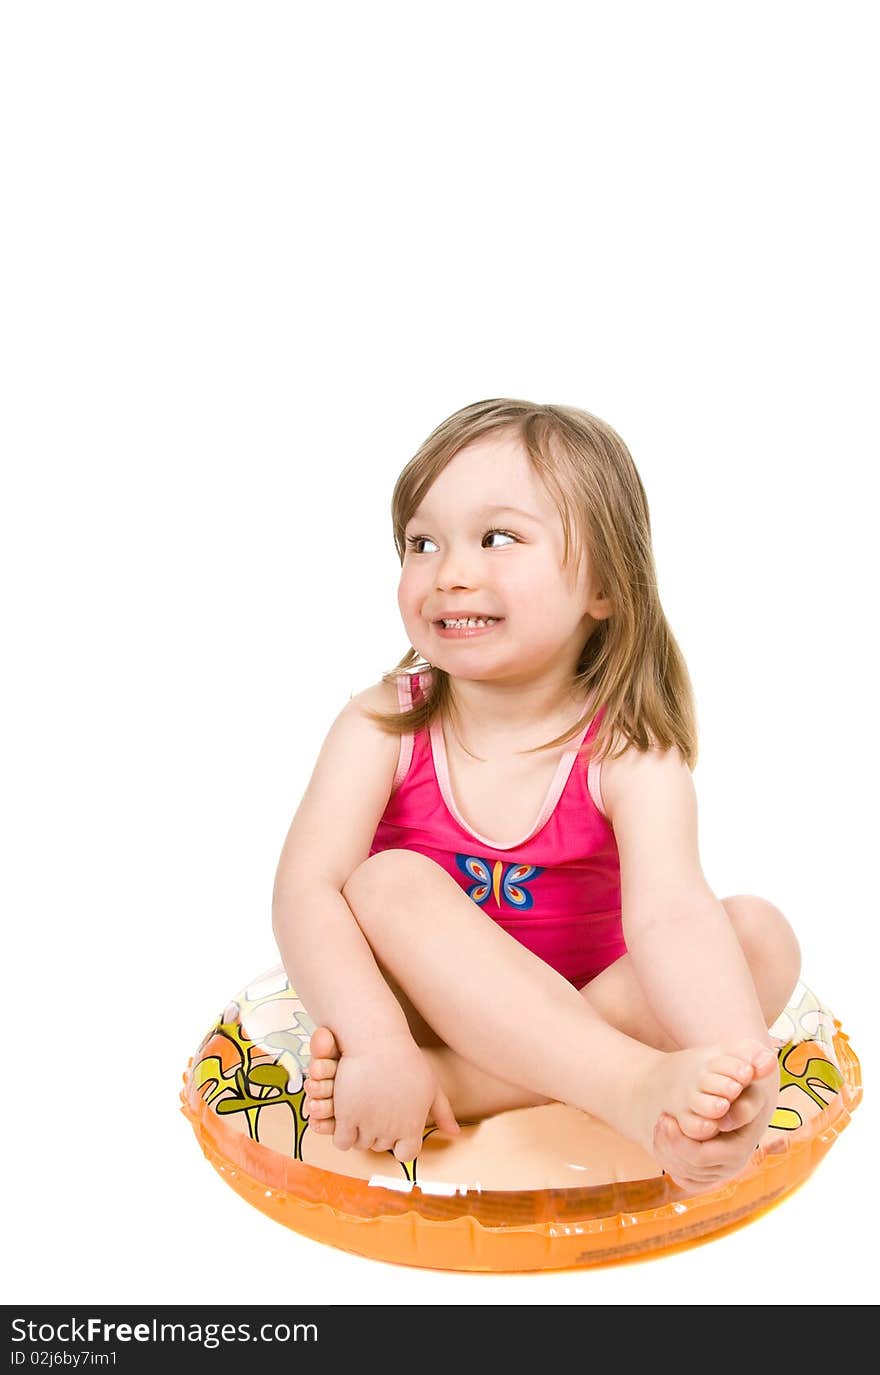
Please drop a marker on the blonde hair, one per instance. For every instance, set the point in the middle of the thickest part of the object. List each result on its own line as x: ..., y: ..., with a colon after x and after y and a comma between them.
x: 631, y: 664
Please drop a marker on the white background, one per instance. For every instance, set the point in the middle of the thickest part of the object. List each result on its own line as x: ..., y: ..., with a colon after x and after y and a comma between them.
x: 253, y: 255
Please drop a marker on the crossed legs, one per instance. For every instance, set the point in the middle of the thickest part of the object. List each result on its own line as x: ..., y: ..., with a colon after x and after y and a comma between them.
x: 495, y: 1020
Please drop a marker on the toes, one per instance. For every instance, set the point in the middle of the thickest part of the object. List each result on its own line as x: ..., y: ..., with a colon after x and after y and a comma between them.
x: 766, y: 1062
x: 708, y: 1104
x: 735, y: 1067
x: 321, y: 1109
x: 730, y: 1122
x: 322, y: 1069
x: 319, y: 1088
x: 405, y: 1151
x: 740, y: 1114
x: 322, y: 1043
x: 722, y: 1085
x: 324, y: 1128
x: 698, y: 1128
x: 759, y: 1055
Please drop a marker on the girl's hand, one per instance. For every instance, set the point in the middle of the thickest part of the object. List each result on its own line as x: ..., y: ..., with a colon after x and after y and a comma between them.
x: 382, y: 1095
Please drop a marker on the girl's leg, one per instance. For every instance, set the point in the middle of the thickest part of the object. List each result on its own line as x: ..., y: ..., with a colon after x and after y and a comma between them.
x: 503, y: 1009
x: 771, y: 951
x: 474, y: 1093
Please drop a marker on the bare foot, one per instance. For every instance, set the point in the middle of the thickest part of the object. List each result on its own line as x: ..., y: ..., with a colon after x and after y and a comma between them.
x: 703, y: 1110
x: 321, y: 1081
x: 717, y: 1103
x: 319, y: 1084
x: 698, y: 1087
x: 701, y: 1165
x: 751, y: 1101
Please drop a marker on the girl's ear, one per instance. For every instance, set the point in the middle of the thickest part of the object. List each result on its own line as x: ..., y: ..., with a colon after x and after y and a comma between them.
x: 600, y: 607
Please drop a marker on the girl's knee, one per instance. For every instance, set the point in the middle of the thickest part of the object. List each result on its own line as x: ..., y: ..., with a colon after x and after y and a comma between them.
x: 386, y: 867
x: 766, y: 936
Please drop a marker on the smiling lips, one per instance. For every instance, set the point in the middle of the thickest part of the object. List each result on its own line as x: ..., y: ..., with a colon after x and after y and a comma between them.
x: 462, y: 632
x: 467, y: 616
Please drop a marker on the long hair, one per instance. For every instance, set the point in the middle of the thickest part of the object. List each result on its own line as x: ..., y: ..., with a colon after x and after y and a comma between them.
x: 630, y: 666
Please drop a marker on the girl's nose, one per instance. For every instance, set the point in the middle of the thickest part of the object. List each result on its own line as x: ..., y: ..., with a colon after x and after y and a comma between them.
x: 455, y: 572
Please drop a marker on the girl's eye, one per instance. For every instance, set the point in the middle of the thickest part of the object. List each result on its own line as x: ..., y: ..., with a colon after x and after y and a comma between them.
x: 505, y: 533
x: 413, y: 540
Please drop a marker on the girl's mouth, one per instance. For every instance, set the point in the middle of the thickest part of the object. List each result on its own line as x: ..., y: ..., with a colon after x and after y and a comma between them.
x: 466, y: 632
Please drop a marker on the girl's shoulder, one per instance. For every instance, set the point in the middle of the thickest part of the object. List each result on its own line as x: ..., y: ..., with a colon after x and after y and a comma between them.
x: 631, y: 767
x: 388, y: 695
x: 382, y: 696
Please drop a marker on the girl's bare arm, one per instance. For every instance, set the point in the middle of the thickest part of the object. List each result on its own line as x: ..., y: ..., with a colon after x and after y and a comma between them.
x: 684, y: 950
x: 326, y: 955
x: 330, y: 964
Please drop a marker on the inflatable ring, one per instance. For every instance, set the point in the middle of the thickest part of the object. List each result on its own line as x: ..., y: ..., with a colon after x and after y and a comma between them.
x: 534, y: 1188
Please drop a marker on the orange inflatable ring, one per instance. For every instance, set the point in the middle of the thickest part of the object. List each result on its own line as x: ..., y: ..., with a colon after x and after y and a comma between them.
x: 536, y: 1188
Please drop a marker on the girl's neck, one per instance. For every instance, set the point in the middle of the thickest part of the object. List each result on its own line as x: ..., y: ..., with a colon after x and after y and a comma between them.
x: 493, y: 718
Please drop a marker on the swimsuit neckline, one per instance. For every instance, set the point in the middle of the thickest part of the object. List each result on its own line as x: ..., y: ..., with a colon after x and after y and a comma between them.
x: 552, y: 796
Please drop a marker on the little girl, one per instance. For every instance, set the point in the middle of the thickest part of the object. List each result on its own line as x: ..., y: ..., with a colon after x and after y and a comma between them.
x: 491, y: 895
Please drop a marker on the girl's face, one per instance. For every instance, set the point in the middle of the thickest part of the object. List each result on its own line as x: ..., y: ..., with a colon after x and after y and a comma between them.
x: 469, y: 552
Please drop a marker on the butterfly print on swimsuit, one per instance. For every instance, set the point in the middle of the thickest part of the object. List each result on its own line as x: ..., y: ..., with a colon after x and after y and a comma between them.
x: 506, y: 881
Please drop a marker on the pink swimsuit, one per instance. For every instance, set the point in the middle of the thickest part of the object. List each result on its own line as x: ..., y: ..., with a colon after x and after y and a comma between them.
x: 557, y: 890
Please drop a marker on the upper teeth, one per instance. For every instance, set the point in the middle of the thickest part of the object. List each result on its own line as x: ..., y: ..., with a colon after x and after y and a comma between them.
x: 472, y: 620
